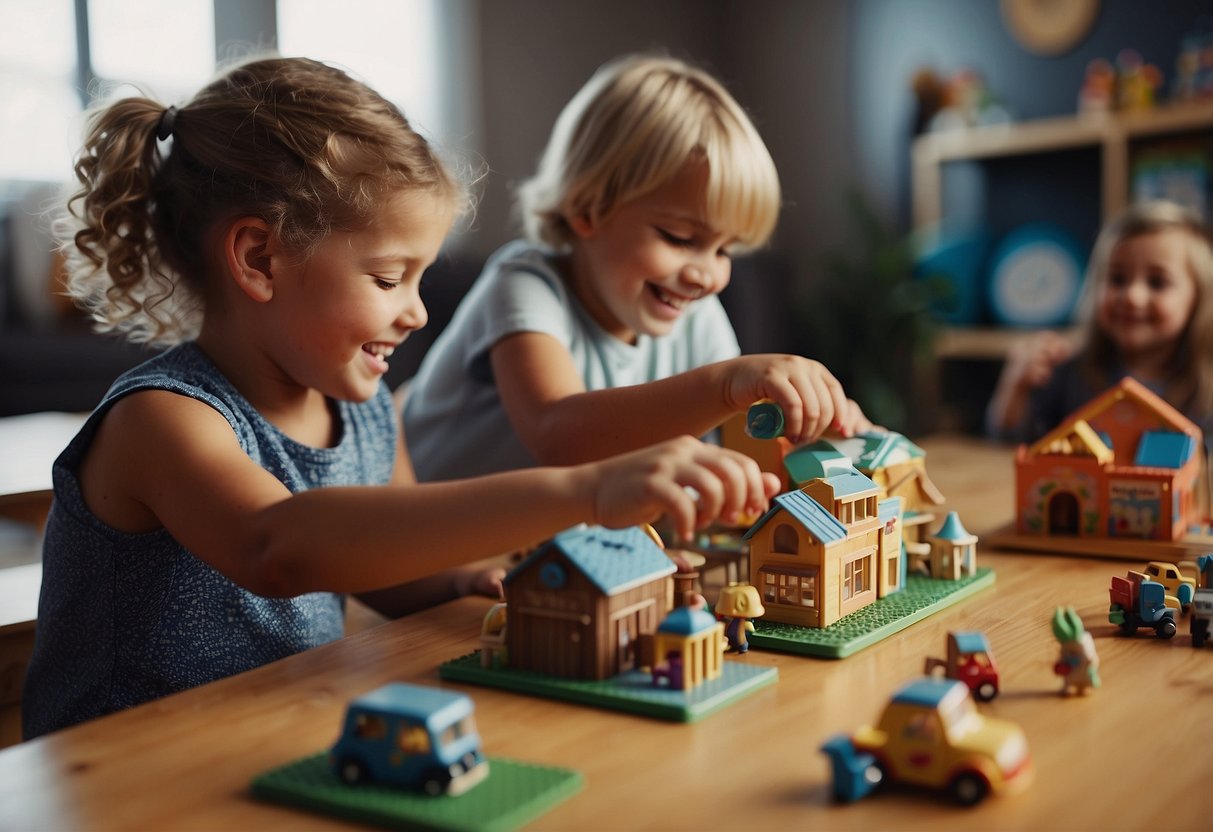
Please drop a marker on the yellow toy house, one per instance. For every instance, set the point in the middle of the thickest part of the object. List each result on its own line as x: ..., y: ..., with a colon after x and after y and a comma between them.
x: 826, y: 550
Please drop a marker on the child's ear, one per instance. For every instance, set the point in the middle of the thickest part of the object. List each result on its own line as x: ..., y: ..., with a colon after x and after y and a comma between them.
x: 581, y: 224
x: 246, y: 249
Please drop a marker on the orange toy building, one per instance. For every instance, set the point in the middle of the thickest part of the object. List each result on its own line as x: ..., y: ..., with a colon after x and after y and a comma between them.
x: 1124, y: 465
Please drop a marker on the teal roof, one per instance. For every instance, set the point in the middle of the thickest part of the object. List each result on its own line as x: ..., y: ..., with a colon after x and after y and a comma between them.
x: 972, y: 642
x: 1164, y: 449
x: 952, y: 528
x: 684, y: 621
x: 809, y: 513
x: 883, y: 449
x: 814, y: 461
x: 614, y: 560
x: 889, y: 508
x: 434, y: 706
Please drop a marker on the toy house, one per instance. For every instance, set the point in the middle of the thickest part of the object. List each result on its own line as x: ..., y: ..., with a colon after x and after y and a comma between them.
x: 953, y: 550
x: 1125, y: 465
x: 826, y: 550
x: 689, y: 648
x: 893, y: 462
x: 579, y: 604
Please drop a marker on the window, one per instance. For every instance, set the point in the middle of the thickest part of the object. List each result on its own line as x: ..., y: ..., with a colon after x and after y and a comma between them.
x: 370, y: 727
x: 791, y: 588
x: 785, y: 541
x: 45, y: 68
x: 392, y: 45
x: 413, y: 739
x: 856, y: 577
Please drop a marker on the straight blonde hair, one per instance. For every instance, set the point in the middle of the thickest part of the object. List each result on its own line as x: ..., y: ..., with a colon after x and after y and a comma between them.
x: 633, y: 127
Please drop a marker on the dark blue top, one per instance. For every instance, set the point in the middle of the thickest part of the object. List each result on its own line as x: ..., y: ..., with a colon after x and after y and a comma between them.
x: 1069, y: 388
x: 126, y: 618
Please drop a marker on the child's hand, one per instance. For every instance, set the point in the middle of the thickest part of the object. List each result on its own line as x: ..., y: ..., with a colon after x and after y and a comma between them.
x: 692, y: 483
x: 812, y: 400
x: 1031, y: 362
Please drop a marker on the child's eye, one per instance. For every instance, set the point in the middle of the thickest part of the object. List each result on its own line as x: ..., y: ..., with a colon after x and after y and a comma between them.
x: 385, y: 284
x: 1117, y: 279
x: 672, y: 238
x: 1158, y: 282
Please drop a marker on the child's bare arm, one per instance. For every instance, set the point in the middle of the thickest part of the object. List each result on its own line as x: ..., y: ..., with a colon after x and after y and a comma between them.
x: 560, y: 422
x: 163, y: 460
x: 1029, y: 365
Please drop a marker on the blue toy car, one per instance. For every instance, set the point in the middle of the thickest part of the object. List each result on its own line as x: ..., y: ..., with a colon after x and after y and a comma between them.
x: 413, y: 737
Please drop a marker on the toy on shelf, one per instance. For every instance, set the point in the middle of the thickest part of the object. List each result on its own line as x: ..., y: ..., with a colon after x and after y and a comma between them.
x: 1078, y: 663
x: 1138, y: 602
x: 1116, y: 478
x: 1202, y: 601
x: 587, y: 617
x: 412, y: 737
x: 932, y: 735
x: 739, y: 603
x: 410, y: 757
x: 969, y: 660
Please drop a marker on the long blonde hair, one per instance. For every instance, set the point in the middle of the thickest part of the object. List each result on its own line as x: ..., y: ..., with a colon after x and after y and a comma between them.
x: 632, y: 128
x: 293, y: 141
x: 1191, y: 387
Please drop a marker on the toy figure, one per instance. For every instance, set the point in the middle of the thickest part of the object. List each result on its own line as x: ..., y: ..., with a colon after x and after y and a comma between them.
x: 1078, y: 664
x: 739, y: 603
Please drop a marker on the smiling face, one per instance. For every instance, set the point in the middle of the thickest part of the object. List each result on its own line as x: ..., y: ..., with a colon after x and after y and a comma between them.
x: 339, y: 314
x: 1146, y: 298
x: 638, y: 269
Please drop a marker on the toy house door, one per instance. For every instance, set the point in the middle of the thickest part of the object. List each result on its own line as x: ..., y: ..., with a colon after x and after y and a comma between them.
x: 1063, y: 513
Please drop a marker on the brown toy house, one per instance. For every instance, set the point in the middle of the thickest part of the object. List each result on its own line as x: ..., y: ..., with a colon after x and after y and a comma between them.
x: 580, y: 603
x: 1124, y: 465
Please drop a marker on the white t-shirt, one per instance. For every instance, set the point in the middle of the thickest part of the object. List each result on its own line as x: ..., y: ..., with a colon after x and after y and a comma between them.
x: 455, y: 424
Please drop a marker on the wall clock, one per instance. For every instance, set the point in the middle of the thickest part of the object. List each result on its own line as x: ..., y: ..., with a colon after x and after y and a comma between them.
x: 1036, y: 273
x: 1049, y: 27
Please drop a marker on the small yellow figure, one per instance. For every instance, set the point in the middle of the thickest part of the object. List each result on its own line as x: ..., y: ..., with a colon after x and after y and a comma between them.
x: 739, y: 603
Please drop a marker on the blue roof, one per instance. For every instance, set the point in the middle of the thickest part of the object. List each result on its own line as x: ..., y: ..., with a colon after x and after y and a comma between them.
x: 416, y: 701
x: 889, y: 508
x: 952, y: 528
x: 684, y: 621
x: 885, y: 448
x: 927, y: 691
x: 1164, y: 449
x: 850, y: 482
x: 613, y: 559
x: 808, y: 512
x: 974, y: 642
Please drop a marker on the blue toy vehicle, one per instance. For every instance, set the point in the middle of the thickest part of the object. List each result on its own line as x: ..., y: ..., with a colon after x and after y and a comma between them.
x: 414, y: 737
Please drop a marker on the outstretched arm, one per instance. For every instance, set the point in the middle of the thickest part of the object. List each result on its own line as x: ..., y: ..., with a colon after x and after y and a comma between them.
x: 163, y: 460
x: 560, y: 422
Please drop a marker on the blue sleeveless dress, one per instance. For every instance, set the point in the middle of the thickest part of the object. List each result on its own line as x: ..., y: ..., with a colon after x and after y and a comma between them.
x: 127, y: 618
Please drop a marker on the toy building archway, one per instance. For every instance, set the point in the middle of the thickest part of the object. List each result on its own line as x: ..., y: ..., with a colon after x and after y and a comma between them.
x: 1063, y: 513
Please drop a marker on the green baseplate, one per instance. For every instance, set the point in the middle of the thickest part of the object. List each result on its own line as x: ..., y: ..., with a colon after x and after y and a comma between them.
x: 512, y: 795
x: 921, y: 597
x: 631, y: 692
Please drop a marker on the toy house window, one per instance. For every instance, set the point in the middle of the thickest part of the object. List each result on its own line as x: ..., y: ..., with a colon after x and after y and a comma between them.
x: 793, y: 589
x: 856, y: 577
x: 785, y: 540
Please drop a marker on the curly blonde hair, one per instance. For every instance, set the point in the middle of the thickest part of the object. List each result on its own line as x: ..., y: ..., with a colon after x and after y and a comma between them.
x: 631, y: 129
x: 296, y: 142
x: 1191, y: 387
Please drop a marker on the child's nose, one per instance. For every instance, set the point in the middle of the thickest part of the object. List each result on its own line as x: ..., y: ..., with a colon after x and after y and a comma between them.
x: 701, y: 276
x: 413, y: 316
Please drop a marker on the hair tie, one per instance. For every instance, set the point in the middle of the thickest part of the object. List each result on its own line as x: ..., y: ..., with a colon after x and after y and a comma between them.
x: 164, y: 127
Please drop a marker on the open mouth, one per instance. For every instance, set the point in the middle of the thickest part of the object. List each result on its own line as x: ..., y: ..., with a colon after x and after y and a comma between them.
x: 676, y: 301
x: 379, y: 353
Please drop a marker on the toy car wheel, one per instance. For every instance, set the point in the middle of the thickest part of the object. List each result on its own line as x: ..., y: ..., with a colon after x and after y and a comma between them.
x: 352, y: 771
x: 436, y: 783
x: 1165, y: 629
x: 969, y: 788
x: 986, y: 691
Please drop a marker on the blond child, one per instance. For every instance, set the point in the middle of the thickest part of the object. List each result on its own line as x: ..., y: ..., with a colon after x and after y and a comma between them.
x: 1148, y: 312
x: 602, y: 330
x: 221, y: 500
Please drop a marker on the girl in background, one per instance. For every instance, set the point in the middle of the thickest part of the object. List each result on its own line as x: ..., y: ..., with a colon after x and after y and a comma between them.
x: 602, y: 331
x: 1148, y: 310
x: 215, y: 508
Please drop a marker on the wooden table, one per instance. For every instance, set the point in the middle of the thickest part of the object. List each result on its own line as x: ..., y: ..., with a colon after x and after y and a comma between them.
x: 1129, y: 756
